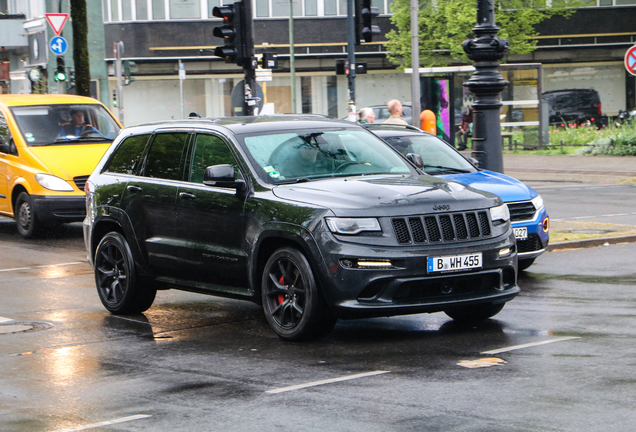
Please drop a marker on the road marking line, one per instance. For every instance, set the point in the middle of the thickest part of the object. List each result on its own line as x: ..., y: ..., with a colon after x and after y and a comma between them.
x: 3, y: 319
x: 532, y: 344
x: 105, y: 423
x: 327, y: 381
x: 41, y: 266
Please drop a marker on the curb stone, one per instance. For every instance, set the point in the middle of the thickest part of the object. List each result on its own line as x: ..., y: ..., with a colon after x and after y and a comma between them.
x: 587, y: 243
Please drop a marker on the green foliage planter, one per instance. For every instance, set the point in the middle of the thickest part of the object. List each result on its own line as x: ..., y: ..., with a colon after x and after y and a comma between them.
x: 615, y: 140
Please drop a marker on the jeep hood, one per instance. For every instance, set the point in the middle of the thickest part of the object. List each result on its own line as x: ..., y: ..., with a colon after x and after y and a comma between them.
x: 68, y: 161
x: 387, y: 195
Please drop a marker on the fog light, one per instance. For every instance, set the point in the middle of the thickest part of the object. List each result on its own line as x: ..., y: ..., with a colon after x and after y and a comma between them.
x: 546, y: 225
x: 366, y: 264
x: 505, y: 252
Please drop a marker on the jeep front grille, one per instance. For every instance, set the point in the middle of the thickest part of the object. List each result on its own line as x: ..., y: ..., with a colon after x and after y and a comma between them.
x: 442, y: 228
x: 520, y: 211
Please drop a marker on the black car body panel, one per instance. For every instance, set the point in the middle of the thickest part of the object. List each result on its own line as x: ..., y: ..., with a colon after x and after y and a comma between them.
x: 189, y: 235
x: 574, y: 107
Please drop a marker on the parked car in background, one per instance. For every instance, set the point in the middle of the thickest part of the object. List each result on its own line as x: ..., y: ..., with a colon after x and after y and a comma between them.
x: 382, y: 113
x: 315, y: 219
x: 528, y: 215
x: 574, y: 107
x: 45, y: 160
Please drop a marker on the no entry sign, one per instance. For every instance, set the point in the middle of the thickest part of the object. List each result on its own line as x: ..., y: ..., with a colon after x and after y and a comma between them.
x: 630, y: 60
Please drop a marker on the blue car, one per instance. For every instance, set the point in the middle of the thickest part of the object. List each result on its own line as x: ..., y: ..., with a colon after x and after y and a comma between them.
x: 528, y: 214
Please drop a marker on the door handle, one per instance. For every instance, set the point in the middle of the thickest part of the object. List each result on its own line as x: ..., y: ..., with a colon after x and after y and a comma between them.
x: 134, y: 189
x: 186, y: 195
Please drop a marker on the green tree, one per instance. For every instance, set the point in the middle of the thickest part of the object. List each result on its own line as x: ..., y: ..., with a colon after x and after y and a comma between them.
x: 445, y: 24
x: 80, y: 48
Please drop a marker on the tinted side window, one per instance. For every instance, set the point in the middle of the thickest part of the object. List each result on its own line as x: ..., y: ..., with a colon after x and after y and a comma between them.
x: 164, y: 158
x: 128, y: 155
x: 209, y: 150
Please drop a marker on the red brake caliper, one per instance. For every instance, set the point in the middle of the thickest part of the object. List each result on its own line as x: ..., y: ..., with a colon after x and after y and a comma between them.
x: 281, y: 298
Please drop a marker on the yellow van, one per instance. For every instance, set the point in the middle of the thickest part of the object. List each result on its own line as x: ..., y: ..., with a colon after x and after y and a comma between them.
x: 49, y: 145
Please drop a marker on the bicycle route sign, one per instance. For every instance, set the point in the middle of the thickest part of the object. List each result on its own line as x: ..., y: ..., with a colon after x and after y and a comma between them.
x: 630, y: 60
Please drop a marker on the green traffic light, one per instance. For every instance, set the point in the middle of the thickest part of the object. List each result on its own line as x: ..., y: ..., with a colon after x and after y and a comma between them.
x: 60, y: 76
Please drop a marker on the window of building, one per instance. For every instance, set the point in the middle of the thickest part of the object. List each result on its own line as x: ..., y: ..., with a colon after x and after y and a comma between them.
x: 114, y: 10
x: 212, y: 4
x: 262, y: 8
x: 331, y: 7
x: 280, y: 8
x: 158, y: 9
x: 311, y: 7
x: 141, y: 10
x: 185, y: 9
x: 126, y: 12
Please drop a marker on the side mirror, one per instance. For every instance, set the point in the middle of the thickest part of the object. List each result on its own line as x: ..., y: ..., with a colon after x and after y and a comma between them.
x: 415, y: 159
x: 222, y: 176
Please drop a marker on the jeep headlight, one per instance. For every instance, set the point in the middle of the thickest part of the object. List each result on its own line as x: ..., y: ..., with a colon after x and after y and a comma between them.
x: 352, y: 226
x: 500, y: 213
x: 53, y: 183
x: 537, y: 202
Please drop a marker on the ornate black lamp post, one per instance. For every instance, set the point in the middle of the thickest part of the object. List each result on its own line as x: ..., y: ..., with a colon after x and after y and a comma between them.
x: 487, y: 83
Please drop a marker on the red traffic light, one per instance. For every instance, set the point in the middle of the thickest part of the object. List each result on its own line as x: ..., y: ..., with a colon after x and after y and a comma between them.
x: 225, y: 12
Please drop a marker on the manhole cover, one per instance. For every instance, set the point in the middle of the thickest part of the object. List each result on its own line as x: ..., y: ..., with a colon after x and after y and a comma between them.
x: 20, y: 327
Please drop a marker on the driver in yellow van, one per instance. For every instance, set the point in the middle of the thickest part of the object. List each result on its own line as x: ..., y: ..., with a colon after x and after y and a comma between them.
x: 77, y: 127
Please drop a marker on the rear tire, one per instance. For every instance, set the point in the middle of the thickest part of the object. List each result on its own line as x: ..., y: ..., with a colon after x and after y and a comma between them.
x: 118, y: 286
x: 525, y: 263
x: 293, y: 304
x: 27, y: 223
x: 474, y: 314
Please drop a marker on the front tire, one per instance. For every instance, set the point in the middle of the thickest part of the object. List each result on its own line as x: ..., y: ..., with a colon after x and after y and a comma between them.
x: 525, y: 263
x: 27, y: 223
x: 118, y: 286
x: 474, y: 314
x: 292, y: 302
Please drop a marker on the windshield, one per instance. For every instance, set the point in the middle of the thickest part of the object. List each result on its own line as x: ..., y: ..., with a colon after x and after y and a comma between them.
x: 308, y: 154
x: 438, y: 157
x: 64, y: 124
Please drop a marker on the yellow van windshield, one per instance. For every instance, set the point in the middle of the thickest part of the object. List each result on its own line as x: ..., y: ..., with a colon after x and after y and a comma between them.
x: 64, y: 124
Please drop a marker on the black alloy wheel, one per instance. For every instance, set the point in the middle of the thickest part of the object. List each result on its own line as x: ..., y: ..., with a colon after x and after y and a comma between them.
x: 118, y: 286
x: 474, y: 314
x: 27, y: 223
x: 293, y: 305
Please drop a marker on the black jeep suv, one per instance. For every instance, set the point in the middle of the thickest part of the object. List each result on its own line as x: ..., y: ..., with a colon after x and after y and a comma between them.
x: 315, y: 219
x: 574, y: 107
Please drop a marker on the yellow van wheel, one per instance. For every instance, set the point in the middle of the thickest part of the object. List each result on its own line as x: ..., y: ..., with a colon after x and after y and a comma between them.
x: 27, y: 222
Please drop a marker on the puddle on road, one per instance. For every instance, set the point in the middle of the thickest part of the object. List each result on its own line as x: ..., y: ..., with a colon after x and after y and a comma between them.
x: 482, y: 363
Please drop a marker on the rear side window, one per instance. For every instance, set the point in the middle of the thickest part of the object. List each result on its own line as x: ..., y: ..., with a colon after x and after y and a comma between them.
x: 128, y: 155
x: 165, y: 157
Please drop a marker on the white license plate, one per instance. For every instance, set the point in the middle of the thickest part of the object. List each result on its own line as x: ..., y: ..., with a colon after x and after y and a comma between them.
x: 455, y: 262
x: 521, y: 233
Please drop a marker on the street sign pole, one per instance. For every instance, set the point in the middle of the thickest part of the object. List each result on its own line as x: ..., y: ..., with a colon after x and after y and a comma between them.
x: 118, y: 49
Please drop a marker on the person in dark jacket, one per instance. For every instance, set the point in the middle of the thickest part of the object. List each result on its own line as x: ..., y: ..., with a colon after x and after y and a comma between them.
x: 77, y: 127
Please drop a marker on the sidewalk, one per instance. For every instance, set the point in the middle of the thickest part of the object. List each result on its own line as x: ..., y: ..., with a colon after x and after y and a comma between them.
x: 564, y: 169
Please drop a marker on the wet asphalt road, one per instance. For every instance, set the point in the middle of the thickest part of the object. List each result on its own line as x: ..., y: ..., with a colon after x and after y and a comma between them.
x: 199, y: 363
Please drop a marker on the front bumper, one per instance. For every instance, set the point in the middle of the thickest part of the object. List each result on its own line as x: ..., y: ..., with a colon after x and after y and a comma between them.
x: 51, y: 209
x: 538, y: 235
x: 407, y: 287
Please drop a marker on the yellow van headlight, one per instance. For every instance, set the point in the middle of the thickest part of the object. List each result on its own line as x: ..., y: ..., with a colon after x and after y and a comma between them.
x: 53, y: 183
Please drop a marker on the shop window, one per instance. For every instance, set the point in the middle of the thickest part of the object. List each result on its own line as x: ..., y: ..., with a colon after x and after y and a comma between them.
x: 126, y: 12
x: 281, y: 9
x: 185, y: 9
x: 379, y: 4
x: 262, y: 8
x: 142, y: 9
x: 158, y: 9
x: 114, y: 10
x: 311, y: 8
x: 331, y: 7
x: 342, y: 5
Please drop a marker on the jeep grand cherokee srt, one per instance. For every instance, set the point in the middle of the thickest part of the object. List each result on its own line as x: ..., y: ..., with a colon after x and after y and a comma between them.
x: 314, y: 219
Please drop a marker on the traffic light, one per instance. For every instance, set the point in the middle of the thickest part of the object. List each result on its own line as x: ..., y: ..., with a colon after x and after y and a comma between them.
x: 71, y: 78
x: 365, y: 14
x: 231, y: 31
x: 130, y: 67
x: 115, y: 97
x: 60, y: 71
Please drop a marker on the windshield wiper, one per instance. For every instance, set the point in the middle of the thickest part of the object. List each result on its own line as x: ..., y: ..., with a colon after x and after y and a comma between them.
x: 63, y: 140
x: 445, y: 168
x: 293, y: 181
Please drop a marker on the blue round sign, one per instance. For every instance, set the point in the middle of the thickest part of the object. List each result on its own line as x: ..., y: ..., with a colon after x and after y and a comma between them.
x: 58, y: 45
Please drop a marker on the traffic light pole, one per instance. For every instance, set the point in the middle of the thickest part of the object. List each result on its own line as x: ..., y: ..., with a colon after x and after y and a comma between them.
x: 249, y: 63
x: 118, y: 48
x: 351, y: 40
